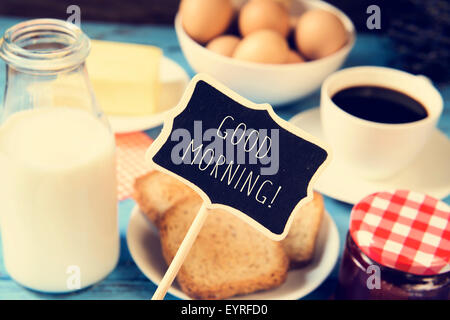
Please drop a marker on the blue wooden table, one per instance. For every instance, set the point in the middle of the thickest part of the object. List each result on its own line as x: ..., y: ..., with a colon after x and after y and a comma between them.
x: 126, y: 281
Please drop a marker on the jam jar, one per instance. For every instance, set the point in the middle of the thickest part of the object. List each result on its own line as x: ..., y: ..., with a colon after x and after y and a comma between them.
x: 397, y: 248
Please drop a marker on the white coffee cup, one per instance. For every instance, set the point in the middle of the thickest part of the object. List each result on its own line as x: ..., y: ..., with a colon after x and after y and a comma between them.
x: 372, y: 149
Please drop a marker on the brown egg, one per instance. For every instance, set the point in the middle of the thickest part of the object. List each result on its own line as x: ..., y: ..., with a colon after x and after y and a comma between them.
x: 319, y: 33
x: 263, y: 46
x: 224, y: 45
x: 294, y: 57
x: 286, y: 3
x: 263, y: 14
x: 204, y: 20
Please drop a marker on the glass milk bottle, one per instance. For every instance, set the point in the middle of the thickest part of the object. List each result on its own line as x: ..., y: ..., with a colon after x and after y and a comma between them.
x: 58, y: 204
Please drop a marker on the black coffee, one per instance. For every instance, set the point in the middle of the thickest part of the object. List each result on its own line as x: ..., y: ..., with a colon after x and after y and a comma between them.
x: 379, y: 104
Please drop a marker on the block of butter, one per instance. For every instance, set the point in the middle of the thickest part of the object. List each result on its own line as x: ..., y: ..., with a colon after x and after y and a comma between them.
x: 125, y: 77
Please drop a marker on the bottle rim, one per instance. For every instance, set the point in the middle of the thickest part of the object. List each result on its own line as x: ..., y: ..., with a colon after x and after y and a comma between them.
x: 44, y: 45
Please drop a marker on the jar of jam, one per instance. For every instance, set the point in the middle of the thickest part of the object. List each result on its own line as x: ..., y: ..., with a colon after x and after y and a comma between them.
x: 58, y: 190
x: 397, y: 247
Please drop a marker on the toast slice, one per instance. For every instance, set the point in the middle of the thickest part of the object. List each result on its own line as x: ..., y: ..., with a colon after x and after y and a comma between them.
x: 155, y: 192
x: 300, y: 242
x: 228, y: 258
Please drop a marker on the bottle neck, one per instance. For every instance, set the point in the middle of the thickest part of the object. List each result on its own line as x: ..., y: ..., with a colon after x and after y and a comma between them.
x: 44, y: 46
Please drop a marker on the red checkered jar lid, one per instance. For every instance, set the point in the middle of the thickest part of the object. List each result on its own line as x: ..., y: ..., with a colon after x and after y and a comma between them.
x: 403, y: 230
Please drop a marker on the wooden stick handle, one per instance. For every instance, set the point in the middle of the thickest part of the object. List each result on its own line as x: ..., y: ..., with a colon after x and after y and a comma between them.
x: 181, y: 254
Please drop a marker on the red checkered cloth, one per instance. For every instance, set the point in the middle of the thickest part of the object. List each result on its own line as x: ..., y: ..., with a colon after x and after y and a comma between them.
x: 131, y: 163
x: 403, y: 230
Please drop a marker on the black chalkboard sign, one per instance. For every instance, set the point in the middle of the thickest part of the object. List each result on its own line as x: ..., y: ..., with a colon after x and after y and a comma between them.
x: 239, y: 155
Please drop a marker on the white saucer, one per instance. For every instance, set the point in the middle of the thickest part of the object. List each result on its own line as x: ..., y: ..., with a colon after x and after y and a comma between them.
x: 174, y: 81
x: 144, y: 246
x: 429, y: 173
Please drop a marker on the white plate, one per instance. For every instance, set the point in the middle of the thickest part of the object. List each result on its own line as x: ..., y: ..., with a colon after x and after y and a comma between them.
x: 428, y: 173
x: 143, y: 243
x: 174, y: 81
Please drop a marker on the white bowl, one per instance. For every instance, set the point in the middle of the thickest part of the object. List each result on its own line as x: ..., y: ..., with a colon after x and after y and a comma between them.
x: 276, y: 84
